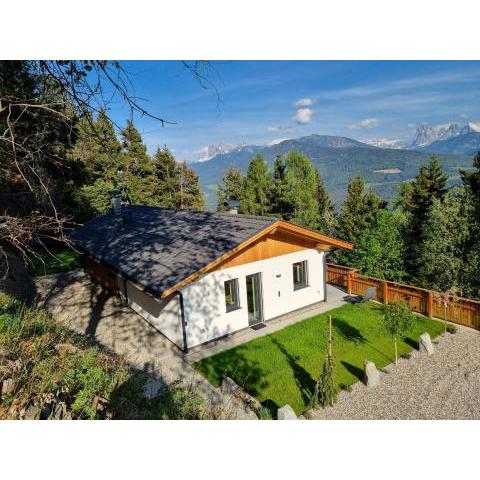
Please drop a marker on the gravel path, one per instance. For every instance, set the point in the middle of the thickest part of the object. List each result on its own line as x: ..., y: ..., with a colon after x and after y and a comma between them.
x: 445, y: 385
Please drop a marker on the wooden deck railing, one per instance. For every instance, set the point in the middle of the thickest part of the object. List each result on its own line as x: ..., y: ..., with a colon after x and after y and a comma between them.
x: 464, y: 312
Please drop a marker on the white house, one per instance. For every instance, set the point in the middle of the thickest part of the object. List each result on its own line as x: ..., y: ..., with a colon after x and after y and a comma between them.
x: 198, y: 276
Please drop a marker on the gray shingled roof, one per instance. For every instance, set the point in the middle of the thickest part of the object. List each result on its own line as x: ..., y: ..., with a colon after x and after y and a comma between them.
x: 159, y: 247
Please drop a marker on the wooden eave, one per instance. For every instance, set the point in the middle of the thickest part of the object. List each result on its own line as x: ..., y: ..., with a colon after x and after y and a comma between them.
x: 322, y: 242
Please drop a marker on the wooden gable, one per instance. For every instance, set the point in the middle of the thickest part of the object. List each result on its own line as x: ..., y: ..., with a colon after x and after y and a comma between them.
x: 271, y: 245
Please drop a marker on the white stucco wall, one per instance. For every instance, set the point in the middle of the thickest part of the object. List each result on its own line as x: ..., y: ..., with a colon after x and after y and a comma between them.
x: 204, y: 300
x: 164, y: 316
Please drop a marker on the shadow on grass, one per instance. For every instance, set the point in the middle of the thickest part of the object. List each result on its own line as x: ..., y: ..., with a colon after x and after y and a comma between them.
x: 412, y: 343
x: 304, y: 381
x: 347, y: 331
x: 354, y: 370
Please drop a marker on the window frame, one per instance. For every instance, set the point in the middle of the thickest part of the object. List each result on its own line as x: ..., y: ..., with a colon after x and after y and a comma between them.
x: 235, y: 293
x: 304, y: 284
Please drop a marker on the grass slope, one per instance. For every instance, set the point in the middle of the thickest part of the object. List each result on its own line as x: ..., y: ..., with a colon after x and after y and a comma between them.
x: 283, y: 367
x: 58, y: 261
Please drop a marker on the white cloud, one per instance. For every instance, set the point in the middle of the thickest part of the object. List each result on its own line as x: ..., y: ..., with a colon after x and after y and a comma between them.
x: 304, y: 102
x: 366, y: 123
x: 411, y: 125
x: 272, y: 129
x: 303, y: 116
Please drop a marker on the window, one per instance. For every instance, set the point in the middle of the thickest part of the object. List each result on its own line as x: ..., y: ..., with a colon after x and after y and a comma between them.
x: 231, y: 295
x: 300, y: 279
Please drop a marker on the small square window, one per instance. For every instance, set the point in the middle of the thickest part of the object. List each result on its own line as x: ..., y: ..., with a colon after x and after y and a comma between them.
x: 232, y: 301
x: 300, y: 278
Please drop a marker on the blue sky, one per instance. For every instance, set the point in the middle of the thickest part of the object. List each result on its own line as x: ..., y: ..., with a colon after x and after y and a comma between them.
x: 263, y: 101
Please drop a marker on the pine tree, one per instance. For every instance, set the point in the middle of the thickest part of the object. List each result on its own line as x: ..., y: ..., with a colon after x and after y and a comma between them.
x: 445, y: 233
x: 254, y: 200
x: 380, y: 249
x: 358, y: 213
x: 231, y: 189
x: 140, y: 182
x: 429, y: 184
x: 471, y: 266
x: 301, y: 185
x: 190, y: 196
x: 167, y: 173
x: 280, y: 204
x: 327, y: 220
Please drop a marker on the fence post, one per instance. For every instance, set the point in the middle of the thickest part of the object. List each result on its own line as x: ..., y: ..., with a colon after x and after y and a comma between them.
x: 349, y: 282
x: 430, y: 304
x: 385, y: 292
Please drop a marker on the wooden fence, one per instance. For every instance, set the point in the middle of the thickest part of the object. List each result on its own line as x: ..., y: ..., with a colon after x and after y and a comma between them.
x: 464, y: 312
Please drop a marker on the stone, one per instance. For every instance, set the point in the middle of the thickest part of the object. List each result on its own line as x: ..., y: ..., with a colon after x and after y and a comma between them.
x: 229, y: 387
x: 32, y: 412
x: 8, y: 385
x: 372, y: 375
x: 286, y: 413
x: 425, y: 344
x: 152, y: 389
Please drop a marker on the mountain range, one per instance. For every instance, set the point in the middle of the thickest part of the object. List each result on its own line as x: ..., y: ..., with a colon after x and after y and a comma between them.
x: 338, y: 159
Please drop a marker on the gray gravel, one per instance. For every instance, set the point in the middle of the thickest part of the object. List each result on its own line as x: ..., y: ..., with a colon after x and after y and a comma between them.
x: 445, y: 385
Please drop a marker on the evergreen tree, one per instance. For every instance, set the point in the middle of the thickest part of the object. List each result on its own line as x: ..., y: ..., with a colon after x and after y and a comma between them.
x: 254, y: 200
x: 445, y: 234
x: 380, y: 249
x: 98, y: 150
x: 167, y: 173
x: 230, y: 189
x: 471, y: 267
x: 358, y: 213
x: 301, y: 185
x: 280, y: 203
x: 190, y: 196
x: 358, y: 210
x: 327, y: 220
x: 140, y: 182
x: 429, y: 184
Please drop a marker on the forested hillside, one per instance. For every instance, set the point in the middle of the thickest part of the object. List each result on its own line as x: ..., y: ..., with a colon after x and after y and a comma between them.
x: 337, y: 159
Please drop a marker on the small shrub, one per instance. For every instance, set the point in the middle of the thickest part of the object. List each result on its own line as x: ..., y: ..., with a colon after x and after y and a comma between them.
x: 406, y: 355
x: 451, y: 329
x: 325, y: 390
x: 398, y: 320
x: 264, y: 414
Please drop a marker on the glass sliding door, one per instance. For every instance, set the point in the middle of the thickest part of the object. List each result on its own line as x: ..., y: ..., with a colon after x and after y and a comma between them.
x: 254, y: 298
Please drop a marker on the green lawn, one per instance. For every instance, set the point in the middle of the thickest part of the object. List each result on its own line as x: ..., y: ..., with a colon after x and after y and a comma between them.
x: 62, y: 260
x: 283, y: 367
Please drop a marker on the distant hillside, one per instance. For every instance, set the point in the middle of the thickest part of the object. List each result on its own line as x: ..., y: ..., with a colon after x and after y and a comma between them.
x: 338, y: 159
x: 467, y: 144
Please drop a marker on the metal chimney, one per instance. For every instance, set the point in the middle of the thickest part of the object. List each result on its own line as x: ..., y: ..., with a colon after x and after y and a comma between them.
x: 115, y: 196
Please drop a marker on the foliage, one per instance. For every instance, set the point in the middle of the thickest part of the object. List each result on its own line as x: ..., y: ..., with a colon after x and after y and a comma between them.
x: 56, y: 261
x: 358, y: 213
x: 327, y: 218
x: 429, y: 184
x: 52, y: 362
x: 189, y: 195
x: 446, y: 231
x: 301, y: 184
x: 231, y: 189
x: 380, y: 249
x: 398, y: 321
x: 451, y: 329
x: 254, y: 200
x: 283, y: 367
x: 325, y: 390
x: 280, y: 204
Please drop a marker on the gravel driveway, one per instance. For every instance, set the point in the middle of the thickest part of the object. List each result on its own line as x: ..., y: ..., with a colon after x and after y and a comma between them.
x: 445, y: 385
